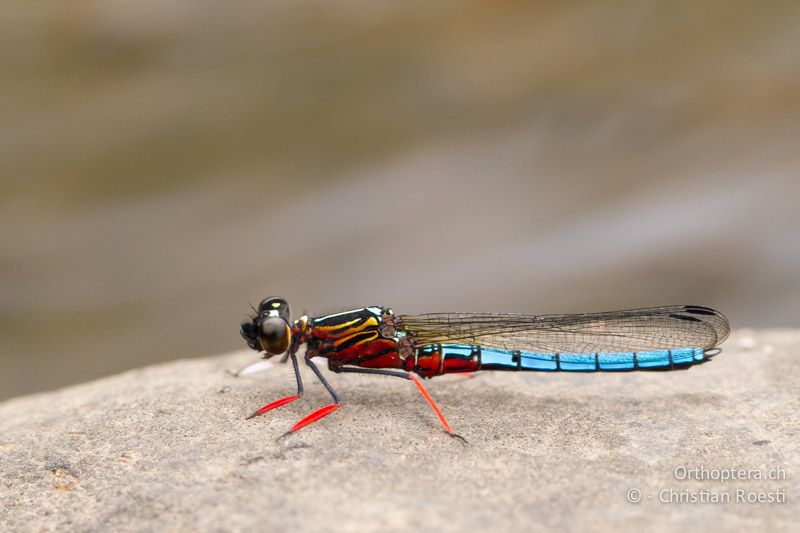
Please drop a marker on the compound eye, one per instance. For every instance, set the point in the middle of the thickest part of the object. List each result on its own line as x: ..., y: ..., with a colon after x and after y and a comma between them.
x: 275, y: 335
x: 272, y: 306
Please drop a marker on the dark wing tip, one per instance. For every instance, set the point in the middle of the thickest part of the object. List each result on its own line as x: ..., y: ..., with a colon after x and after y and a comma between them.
x: 712, y: 318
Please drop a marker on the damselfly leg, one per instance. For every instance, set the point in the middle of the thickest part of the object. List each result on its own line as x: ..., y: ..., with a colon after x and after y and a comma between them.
x: 417, y: 382
x: 321, y: 412
x: 288, y: 399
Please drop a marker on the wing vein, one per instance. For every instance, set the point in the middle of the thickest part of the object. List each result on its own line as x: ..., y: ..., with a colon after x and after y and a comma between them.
x: 656, y: 328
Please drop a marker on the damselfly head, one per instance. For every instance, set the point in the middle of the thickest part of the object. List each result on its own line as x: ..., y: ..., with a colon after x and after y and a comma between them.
x: 248, y: 331
x: 269, y: 330
x: 274, y: 306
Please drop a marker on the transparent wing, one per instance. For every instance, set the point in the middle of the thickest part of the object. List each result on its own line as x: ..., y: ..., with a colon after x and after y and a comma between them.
x: 655, y: 328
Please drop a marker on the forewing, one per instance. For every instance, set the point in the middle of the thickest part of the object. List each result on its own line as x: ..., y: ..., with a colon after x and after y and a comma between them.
x: 655, y: 328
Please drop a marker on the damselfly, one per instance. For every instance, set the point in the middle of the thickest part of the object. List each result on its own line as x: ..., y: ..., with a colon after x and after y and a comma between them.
x: 373, y: 340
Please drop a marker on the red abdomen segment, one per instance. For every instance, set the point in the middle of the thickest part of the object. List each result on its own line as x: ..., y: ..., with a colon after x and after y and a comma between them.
x: 429, y: 361
x: 353, y: 338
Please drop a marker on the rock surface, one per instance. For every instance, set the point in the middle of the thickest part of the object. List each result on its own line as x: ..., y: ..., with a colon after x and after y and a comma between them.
x: 168, y: 447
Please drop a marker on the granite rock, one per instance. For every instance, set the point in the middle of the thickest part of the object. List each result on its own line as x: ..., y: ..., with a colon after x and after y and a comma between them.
x: 167, y: 447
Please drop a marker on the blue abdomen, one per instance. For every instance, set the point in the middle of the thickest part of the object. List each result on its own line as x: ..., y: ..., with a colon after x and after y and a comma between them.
x: 495, y: 359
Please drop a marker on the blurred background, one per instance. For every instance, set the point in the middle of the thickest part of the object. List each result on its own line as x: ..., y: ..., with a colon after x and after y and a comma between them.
x: 165, y: 163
